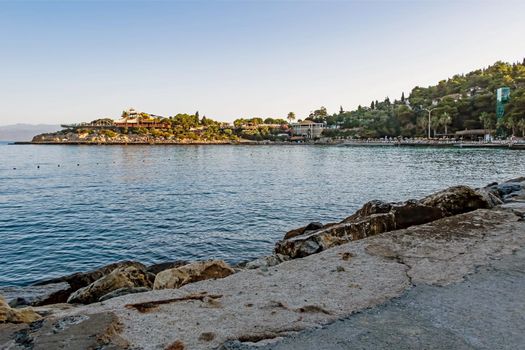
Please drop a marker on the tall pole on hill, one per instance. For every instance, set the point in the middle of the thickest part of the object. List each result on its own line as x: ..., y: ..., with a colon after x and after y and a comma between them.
x: 429, y: 110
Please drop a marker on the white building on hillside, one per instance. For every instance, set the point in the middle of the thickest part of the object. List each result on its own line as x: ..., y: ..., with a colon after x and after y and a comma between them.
x: 309, y: 129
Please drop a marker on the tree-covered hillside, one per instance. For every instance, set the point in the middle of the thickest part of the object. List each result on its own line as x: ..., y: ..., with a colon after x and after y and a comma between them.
x: 466, y: 101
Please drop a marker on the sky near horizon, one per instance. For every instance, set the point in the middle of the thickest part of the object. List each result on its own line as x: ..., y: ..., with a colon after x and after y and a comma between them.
x: 71, y: 61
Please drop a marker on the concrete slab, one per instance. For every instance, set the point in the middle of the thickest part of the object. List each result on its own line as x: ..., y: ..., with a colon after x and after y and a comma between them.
x: 487, y: 311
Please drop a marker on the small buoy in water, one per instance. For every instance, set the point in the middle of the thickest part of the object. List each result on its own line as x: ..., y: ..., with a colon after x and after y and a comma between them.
x: 14, y: 168
x: 78, y: 164
x: 59, y: 165
x: 38, y: 166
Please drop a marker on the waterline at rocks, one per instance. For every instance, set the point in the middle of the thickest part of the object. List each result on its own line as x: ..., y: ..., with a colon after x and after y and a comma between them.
x: 436, y: 241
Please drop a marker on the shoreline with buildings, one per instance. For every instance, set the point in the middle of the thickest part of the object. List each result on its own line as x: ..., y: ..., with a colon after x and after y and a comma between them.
x: 320, y: 142
x: 139, y: 128
x: 483, y: 108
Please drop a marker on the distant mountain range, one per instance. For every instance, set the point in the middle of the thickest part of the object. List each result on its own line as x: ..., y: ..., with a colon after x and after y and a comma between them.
x: 24, y: 132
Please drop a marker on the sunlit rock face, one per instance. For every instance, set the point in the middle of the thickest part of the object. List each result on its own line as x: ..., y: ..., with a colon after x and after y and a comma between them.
x: 10, y: 315
x: 198, y: 271
x: 123, y: 277
x: 377, y: 217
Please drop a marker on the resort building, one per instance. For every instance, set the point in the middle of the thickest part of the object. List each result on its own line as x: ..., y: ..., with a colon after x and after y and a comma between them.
x: 130, y: 119
x: 308, y: 129
x: 475, y: 135
x: 133, y: 119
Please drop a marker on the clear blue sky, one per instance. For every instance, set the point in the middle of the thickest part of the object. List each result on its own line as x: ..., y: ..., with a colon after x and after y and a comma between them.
x: 67, y: 61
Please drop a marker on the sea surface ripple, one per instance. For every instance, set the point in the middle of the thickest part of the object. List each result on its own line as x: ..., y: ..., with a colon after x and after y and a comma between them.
x: 72, y: 208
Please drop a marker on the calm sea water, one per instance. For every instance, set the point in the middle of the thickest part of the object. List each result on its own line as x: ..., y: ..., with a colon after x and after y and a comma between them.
x: 159, y: 203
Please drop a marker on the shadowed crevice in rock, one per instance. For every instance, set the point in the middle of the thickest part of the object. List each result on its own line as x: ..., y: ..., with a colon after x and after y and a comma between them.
x: 156, y: 268
x: 152, y: 305
x: 387, y: 253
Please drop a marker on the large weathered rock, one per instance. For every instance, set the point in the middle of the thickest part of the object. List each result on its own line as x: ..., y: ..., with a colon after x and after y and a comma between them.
x: 122, y: 277
x: 337, y: 234
x: 10, y: 315
x: 512, y: 189
x: 377, y: 217
x: 406, y: 214
x: 83, y: 279
x: 456, y: 200
x: 373, y: 218
x: 508, y: 191
x: 80, y: 280
x: 194, y: 272
x: 507, y: 188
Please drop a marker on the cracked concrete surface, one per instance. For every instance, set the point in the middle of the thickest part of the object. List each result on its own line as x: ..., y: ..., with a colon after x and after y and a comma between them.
x: 269, y: 303
x: 487, y: 311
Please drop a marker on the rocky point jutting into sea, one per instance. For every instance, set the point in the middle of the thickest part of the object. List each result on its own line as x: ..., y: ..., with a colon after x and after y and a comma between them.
x: 318, y: 274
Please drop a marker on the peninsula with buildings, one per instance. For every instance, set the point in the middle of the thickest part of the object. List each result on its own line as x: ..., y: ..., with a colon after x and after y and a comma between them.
x: 135, y: 127
x: 485, y: 106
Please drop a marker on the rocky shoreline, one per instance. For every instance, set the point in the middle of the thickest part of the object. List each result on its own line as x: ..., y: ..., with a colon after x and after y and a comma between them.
x: 381, y: 240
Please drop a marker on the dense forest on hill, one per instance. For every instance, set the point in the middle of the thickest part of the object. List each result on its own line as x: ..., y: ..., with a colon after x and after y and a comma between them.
x: 466, y: 101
